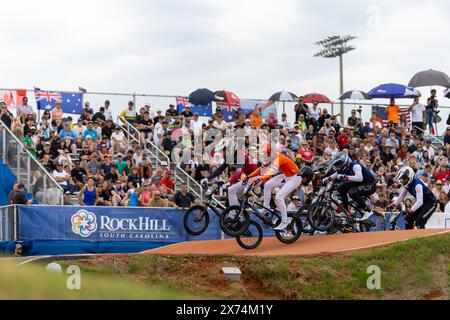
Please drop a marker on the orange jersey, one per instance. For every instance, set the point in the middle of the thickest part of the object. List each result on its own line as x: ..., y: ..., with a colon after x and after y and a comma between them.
x: 283, y: 164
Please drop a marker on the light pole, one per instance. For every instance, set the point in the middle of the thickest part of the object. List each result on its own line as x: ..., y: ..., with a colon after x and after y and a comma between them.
x: 336, y: 46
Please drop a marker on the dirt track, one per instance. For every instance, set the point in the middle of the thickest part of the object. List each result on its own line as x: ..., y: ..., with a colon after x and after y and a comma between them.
x: 305, y: 246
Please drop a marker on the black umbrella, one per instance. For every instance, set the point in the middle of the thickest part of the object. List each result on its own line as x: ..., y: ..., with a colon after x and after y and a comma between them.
x: 355, y: 95
x: 283, y: 96
x: 201, y: 97
x: 430, y: 78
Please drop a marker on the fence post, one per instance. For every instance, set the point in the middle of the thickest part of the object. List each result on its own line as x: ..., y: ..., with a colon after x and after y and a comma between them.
x: 5, y: 158
x: 15, y: 223
x: 29, y: 174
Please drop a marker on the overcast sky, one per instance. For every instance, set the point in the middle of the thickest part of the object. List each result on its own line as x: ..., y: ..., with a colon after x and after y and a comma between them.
x: 252, y: 47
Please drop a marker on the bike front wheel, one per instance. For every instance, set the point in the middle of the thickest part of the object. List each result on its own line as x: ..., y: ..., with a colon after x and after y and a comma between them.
x: 234, y: 221
x: 252, y: 238
x: 376, y: 222
x: 292, y: 232
x: 321, y: 216
x: 196, y: 220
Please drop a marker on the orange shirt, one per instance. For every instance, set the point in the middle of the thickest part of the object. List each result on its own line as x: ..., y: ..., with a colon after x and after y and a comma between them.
x: 393, y: 112
x: 256, y: 120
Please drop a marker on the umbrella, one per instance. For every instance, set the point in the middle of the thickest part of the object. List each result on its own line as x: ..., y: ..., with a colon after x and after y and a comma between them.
x: 226, y: 98
x: 355, y: 95
x: 393, y: 90
x: 430, y: 78
x: 447, y: 93
x: 316, y: 97
x: 201, y: 97
x: 283, y: 96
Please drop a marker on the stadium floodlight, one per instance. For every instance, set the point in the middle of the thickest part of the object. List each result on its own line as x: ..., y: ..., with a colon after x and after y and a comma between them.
x: 336, y: 46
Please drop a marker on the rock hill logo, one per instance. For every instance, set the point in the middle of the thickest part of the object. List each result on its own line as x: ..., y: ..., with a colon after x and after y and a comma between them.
x: 84, y: 223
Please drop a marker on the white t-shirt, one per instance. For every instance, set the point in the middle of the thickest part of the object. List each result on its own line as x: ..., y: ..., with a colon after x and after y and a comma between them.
x: 196, y: 126
x: 61, y: 174
x: 120, y: 137
x: 430, y: 151
x: 221, y: 126
x: 313, y: 113
x: 108, y: 114
x: 417, y: 112
x: 79, y: 130
x: 158, y: 130
x: 137, y: 159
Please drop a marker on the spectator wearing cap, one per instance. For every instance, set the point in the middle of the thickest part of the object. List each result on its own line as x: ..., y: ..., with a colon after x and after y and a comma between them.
x: 118, y: 140
x: 79, y: 128
x: 145, y: 126
x: 187, y: 113
x: 6, y: 116
x: 168, y: 182
x: 90, y: 131
x: 66, y: 132
x: 120, y: 164
x: 171, y: 111
x: 146, y: 195
x: 130, y: 113
x: 158, y: 116
x: 18, y: 196
x: 87, y: 107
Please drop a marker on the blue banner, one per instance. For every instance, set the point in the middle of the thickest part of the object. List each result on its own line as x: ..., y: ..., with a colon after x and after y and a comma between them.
x: 96, y: 224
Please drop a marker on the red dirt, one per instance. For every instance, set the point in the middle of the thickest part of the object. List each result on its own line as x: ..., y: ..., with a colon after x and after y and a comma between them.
x: 305, y: 246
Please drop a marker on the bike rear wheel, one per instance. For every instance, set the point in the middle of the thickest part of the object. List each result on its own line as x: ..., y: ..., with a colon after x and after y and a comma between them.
x: 252, y: 238
x: 196, y: 220
x: 292, y: 232
x: 321, y: 216
x: 234, y: 221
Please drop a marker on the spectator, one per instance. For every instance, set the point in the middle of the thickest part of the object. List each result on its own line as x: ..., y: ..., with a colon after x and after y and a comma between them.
x: 313, y: 111
x: 393, y: 112
x: 57, y: 114
x: 78, y: 175
x: 146, y: 195
x: 129, y: 114
x: 118, y: 140
x: 29, y: 143
x: 167, y: 181
x: 183, y: 198
x: 104, y: 194
x: 172, y: 111
x: 256, y: 118
x: 145, y: 126
x: 158, y: 202
x: 432, y: 105
x: 14, y: 189
x: 63, y: 179
x: 88, y: 195
x: 107, y: 113
x: 6, y: 116
x: 134, y: 197
x: 67, y: 200
x: 24, y: 110
x: 113, y: 174
x: 93, y: 167
x: 18, y: 197
x: 90, y: 132
x: 100, y: 115
x: 442, y: 201
x: 301, y: 108
x: 119, y: 196
x: 351, y: 121
x: 220, y: 123
x: 87, y: 107
x: 187, y: 112
x: 120, y: 164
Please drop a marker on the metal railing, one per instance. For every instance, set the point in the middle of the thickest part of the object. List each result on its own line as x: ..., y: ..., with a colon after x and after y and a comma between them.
x: 28, y: 170
x: 430, y: 137
x: 8, y: 223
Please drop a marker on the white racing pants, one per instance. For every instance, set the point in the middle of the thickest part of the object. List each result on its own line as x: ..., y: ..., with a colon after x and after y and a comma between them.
x: 236, y: 190
x: 287, y: 185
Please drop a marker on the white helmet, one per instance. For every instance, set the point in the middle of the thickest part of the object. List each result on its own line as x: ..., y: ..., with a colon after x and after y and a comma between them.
x: 405, y: 172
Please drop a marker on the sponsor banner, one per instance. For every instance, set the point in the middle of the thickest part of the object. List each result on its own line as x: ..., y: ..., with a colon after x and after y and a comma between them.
x: 108, y: 224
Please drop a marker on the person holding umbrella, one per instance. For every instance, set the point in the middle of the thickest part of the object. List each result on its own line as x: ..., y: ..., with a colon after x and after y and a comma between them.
x: 432, y: 105
x: 393, y: 111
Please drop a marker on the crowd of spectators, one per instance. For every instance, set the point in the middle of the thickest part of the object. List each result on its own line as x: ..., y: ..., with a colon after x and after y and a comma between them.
x: 100, y: 163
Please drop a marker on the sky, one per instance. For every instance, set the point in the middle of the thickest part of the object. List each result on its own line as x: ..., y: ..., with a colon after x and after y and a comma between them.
x: 251, y: 47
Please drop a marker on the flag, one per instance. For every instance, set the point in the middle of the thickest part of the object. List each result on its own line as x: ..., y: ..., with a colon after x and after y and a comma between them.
x: 264, y: 107
x: 383, y: 116
x: 70, y: 102
x: 202, y: 110
x: 229, y: 105
x: 13, y: 98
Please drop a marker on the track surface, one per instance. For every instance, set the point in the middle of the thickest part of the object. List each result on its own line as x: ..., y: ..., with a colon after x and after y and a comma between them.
x: 305, y: 246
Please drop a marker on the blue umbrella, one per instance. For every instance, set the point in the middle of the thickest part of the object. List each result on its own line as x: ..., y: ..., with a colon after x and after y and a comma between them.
x: 201, y: 97
x: 393, y: 90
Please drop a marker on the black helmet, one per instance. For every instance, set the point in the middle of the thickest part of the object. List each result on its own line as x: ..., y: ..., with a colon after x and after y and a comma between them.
x: 308, y: 173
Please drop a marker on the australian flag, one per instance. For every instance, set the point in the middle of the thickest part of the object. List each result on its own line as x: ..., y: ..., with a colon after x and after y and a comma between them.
x: 70, y: 102
x: 203, y: 111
